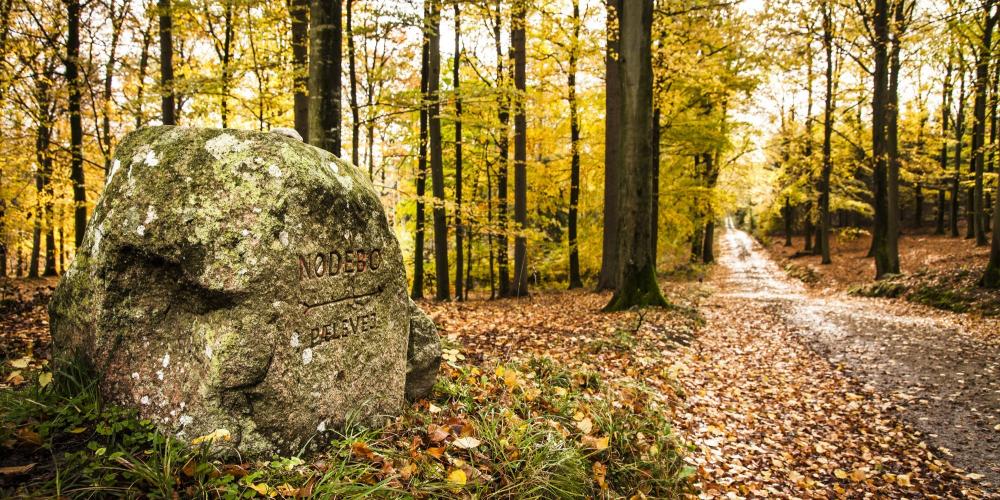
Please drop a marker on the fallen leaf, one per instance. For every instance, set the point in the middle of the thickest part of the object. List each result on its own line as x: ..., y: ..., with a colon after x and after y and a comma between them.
x: 20, y: 363
x: 600, y: 443
x: 15, y: 470
x: 44, y: 379
x: 15, y: 378
x: 29, y: 436
x: 216, y: 435
x: 466, y: 443
x: 457, y: 477
x: 360, y: 450
x: 586, y: 425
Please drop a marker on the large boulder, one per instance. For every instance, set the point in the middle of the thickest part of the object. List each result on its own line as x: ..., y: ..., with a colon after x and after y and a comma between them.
x: 243, y: 281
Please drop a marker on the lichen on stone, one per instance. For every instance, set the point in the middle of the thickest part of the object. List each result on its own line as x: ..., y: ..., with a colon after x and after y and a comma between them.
x: 193, y: 295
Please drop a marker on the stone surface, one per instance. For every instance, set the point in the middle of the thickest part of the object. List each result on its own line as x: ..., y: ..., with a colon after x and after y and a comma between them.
x: 244, y: 281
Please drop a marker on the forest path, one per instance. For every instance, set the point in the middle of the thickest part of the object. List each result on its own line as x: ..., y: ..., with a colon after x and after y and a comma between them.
x: 793, y: 394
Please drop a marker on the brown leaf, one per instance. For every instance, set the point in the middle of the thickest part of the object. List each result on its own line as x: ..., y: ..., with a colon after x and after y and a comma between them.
x: 15, y: 470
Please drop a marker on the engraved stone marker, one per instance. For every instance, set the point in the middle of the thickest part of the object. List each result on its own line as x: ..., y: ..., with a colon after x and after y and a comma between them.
x: 245, y: 281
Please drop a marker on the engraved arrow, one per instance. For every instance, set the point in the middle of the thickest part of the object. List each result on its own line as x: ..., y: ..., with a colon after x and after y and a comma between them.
x: 309, y: 306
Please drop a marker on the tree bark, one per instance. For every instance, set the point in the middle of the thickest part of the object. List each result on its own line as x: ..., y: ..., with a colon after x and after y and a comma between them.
x: 168, y: 110
x: 517, y: 45
x: 75, y: 120
x: 711, y: 176
x: 612, y: 129
x: 884, y: 263
x: 299, y: 10
x: 945, y: 119
x: 503, y: 115
x: 957, y: 173
x: 417, y: 292
x: 324, y: 74
x: 442, y: 289
x: 891, y: 240
x: 824, y: 180
x: 970, y: 206
x: 459, y: 228
x: 116, y: 18
x: 353, y: 77
x: 637, y: 285
x: 147, y: 39
x: 979, y: 120
x: 574, y: 145
x: 918, y: 211
x: 787, y: 215
x: 489, y: 234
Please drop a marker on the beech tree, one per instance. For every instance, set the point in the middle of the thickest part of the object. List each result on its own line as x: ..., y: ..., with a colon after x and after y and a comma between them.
x: 612, y: 127
x: 442, y: 290
x: 459, y: 228
x: 299, y: 10
x: 518, y: 17
x: 637, y: 284
x: 168, y: 104
x: 75, y: 85
x: 324, y: 74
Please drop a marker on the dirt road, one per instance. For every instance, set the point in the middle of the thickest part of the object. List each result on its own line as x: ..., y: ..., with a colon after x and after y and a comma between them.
x: 792, y: 394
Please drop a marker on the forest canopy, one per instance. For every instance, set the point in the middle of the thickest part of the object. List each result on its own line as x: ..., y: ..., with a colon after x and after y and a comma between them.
x: 492, y: 130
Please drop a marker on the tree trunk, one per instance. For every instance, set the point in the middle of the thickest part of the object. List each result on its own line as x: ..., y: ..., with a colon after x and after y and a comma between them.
x: 993, y: 142
x: 517, y: 45
x: 299, y: 10
x: 324, y: 74
x: 945, y: 119
x: 3, y: 231
x: 880, y: 153
x: 442, y: 289
x: 147, y: 39
x: 979, y: 120
x: 918, y: 213
x: 970, y: 208
x: 655, y: 168
x: 807, y: 228
x: 574, y: 145
x: 697, y: 236
x: 503, y: 115
x: 417, y: 292
x: 711, y: 176
x: 991, y: 278
x: 957, y: 173
x: 939, y: 216
x: 457, y: 82
x: 788, y: 215
x: 612, y: 166
x: 76, y: 120
x: 225, y: 58
x: 823, y: 241
x: 168, y: 105
x: 43, y: 172
x: 116, y: 19
x: 489, y: 233
x: 891, y: 239
x: 637, y: 284
x: 353, y: 77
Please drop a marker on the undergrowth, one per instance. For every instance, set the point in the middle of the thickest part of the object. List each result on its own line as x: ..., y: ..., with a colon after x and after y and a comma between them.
x: 953, y: 290
x: 533, y: 430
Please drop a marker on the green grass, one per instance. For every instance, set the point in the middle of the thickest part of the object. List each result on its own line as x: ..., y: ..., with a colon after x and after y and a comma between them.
x: 533, y: 430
